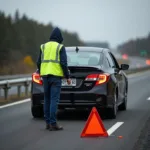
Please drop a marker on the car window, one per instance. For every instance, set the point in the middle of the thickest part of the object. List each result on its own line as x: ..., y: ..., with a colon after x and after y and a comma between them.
x: 106, y: 63
x: 85, y: 58
x: 114, y: 60
x: 112, y: 64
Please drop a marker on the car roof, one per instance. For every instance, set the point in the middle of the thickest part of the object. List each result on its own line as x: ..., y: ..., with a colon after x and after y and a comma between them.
x: 87, y: 48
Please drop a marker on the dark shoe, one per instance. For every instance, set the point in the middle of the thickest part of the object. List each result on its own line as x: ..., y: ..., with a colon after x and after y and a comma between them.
x: 47, y: 126
x: 55, y: 127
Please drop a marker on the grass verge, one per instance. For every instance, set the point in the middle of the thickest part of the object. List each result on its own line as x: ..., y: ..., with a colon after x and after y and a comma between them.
x: 13, y: 98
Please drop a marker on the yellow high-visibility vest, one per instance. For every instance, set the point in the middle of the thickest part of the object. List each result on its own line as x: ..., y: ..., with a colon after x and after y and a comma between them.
x: 50, y: 59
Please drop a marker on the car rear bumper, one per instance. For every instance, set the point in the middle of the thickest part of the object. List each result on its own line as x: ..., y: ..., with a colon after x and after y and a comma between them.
x: 81, y: 99
x: 78, y: 100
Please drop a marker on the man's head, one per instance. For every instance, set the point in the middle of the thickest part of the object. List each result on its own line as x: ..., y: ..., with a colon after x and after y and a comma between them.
x: 56, y: 35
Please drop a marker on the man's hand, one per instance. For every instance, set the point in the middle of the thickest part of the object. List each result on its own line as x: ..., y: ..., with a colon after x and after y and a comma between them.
x: 69, y: 81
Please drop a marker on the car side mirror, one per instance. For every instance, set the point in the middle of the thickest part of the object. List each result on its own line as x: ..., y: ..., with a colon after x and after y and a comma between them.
x: 124, y: 67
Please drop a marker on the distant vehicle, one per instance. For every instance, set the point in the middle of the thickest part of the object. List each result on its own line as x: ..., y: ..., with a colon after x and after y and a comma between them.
x: 97, y: 80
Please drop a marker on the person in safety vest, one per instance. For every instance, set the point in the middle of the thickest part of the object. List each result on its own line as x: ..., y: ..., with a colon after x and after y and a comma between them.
x: 52, y: 65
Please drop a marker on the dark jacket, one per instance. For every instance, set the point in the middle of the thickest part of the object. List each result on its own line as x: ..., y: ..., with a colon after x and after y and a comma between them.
x: 57, y: 37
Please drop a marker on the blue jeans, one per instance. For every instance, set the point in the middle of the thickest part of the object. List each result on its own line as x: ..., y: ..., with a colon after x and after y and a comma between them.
x: 52, y: 88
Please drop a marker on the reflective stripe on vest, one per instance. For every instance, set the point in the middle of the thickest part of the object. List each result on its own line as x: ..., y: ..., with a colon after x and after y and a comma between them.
x: 50, y: 59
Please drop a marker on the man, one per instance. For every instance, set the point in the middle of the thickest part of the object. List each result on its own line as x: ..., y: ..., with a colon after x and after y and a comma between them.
x: 52, y: 64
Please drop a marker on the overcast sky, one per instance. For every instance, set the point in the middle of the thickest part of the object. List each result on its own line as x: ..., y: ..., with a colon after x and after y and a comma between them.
x: 115, y: 21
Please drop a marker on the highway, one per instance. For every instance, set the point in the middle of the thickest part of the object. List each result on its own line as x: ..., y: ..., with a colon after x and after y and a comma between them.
x: 20, y: 131
x: 135, y: 62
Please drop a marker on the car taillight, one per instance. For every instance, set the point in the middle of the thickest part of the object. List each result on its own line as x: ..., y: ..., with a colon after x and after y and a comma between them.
x: 36, y: 78
x: 99, y: 78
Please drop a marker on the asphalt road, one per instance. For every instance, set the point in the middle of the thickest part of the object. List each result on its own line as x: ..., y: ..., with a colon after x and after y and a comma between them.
x: 19, y: 131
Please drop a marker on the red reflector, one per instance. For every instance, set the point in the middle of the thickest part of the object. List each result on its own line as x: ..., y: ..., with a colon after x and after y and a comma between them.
x: 125, y: 56
x: 36, y: 78
x: 99, y: 78
x: 148, y: 61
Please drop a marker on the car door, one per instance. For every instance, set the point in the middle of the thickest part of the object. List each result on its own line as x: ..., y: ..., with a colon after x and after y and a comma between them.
x: 118, y: 74
x: 123, y: 82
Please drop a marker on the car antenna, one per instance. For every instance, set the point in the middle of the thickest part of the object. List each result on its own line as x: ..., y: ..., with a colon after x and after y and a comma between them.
x: 77, y: 49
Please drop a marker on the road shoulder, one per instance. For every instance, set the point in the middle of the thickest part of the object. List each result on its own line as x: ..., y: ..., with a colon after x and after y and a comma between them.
x: 143, y: 142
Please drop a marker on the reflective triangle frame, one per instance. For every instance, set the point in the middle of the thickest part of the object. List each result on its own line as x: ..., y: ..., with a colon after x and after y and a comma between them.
x: 103, y: 134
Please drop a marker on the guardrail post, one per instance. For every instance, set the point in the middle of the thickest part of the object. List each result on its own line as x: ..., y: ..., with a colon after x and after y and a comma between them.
x: 6, y: 88
x: 19, y: 90
x: 26, y: 87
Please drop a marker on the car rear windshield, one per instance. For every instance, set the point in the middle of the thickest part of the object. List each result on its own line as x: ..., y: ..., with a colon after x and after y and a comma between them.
x: 85, y: 58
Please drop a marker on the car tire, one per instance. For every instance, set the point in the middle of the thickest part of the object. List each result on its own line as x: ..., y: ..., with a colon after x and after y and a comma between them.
x: 37, y: 112
x: 123, y: 106
x: 112, y: 112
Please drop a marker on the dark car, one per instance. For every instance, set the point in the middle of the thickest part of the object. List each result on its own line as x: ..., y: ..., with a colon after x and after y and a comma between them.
x: 97, y: 80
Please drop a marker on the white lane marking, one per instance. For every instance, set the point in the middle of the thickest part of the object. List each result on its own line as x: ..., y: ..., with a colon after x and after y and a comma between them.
x: 15, y: 103
x: 148, y: 98
x: 114, y: 128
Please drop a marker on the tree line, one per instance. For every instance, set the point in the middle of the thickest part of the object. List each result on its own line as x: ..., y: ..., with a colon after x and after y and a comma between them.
x: 20, y: 40
x: 21, y: 37
x: 138, y: 47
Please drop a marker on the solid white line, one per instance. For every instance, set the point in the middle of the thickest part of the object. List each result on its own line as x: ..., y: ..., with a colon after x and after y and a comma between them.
x: 15, y: 103
x: 148, y: 98
x: 114, y: 128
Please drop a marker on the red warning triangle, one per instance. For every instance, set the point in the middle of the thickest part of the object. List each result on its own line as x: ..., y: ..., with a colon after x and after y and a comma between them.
x: 94, y: 126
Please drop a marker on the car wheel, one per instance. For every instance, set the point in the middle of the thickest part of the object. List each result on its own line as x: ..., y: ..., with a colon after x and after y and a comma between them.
x: 37, y: 112
x: 112, y: 112
x: 123, y: 106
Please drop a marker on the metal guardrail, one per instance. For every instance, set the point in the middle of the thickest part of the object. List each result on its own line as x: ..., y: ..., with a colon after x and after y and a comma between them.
x: 7, y: 77
x: 7, y: 84
x: 135, y: 70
